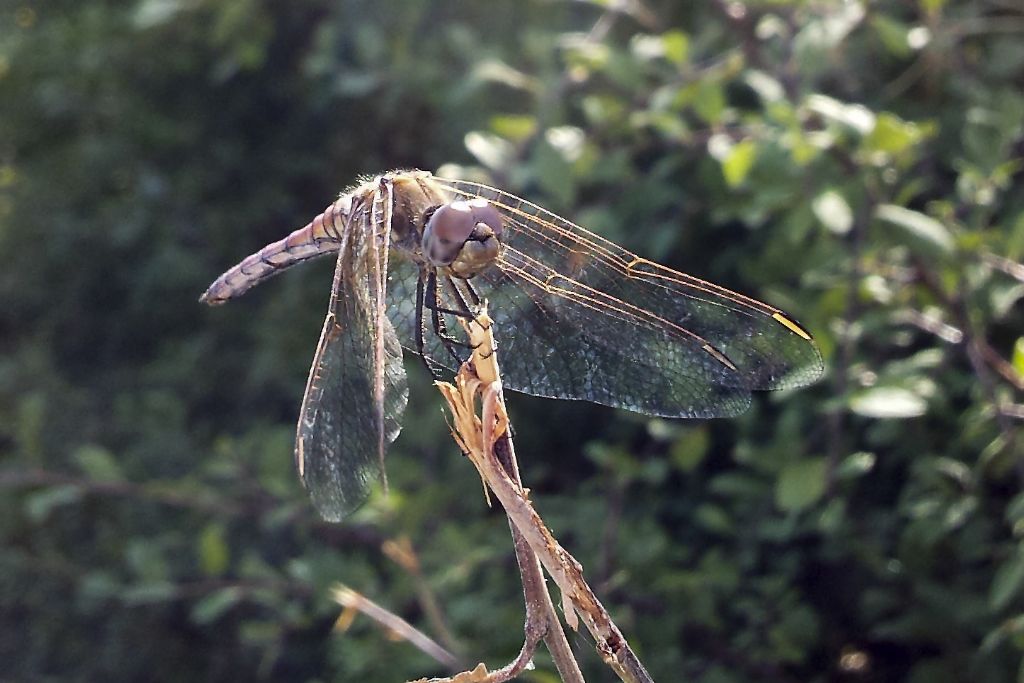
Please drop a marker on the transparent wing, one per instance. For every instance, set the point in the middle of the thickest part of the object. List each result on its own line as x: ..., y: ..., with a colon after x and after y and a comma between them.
x: 555, y: 345
x: 356, y: 392
x: 581, y: 318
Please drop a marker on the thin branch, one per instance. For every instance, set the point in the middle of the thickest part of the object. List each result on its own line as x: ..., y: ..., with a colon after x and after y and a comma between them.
x: 354, y: 602
x: 1014, y: 410
x: 1003, y: 265
x: 159, y: 493
x: 999, y: 364
x: 115, y: 488
x: 978, y: 349
x: 401, y: 552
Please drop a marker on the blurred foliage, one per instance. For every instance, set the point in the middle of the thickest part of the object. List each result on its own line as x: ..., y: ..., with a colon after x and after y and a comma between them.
x: 856, y: 163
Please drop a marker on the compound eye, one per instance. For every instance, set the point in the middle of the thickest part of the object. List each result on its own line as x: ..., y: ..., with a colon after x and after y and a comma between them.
x: 484, y: 212
x: 446, y: 231
x: 452, y: 223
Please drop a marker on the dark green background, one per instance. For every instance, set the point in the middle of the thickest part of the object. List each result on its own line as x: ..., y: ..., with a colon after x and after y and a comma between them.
x: 858, y: 166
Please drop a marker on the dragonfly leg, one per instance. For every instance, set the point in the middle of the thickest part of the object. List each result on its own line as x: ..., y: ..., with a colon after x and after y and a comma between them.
x: 465, y: 309
x: 432, y: 301
x: 473, y: 294
x: 433, y: 367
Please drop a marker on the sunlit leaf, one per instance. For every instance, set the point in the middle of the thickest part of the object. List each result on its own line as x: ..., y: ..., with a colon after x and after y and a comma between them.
x: 150, y: 13
x: 856, y: 465
x: 1018, y: 356
x: 892, y: 135
x: 709, y: 101
x: 856, y: 116
x: 568, y: 141
x: 800, y: 484
x: 497, y: 71
x: 833, y: 211
x: 677, y: 46
x: 738, y: 162
x: 923, y: 229
x: 766, y: 86
x: 514, y: 127
x: 888, y: 402
x: 490, y: 150
x: 825, y: 32
x: 647, y: 47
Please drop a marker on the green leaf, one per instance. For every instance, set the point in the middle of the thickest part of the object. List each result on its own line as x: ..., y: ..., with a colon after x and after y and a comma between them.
x: 738, y: 162
x: 768, y: 88
x: 856, y: 465
x: 151, y: 13
x: 689, y: 450
x: 214, y: 605
x: 99, y: 585
x: 1018, y: 356
x: 150, y: 592
x: 1015, y: 509
x: 709, y: 102
x: 855, y: 116
x: 98, y: 463
x: 214, y: 553
x: 39, y: 505
x: 490, y: 150
x: 924, y: 230
x: 714, y: 519
x: 676, y: 45
x: 888, y: 402
x: 833, y: 212
x: 893, y: 135
x: 800, y: 484
x: 553, y: 172
x: 515, y: 127
x: 892, y: 33
x: 1008, y: 581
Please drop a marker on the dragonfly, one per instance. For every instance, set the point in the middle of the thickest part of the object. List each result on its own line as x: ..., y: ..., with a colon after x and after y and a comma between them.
x: 578, y: 316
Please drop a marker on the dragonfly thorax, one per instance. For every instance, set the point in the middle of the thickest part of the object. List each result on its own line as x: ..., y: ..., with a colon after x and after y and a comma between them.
x: 463, y: 236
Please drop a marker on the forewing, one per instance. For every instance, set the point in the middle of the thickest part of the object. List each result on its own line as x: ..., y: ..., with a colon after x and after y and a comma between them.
x: 345, y: 421
x: 771, y: 350
x: 594, y: 321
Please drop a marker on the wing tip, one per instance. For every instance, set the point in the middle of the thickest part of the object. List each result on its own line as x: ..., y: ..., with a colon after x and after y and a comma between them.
x: 792, y: 326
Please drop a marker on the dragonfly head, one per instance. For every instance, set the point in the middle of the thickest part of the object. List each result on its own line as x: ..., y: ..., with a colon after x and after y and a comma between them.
x: 463, y: 236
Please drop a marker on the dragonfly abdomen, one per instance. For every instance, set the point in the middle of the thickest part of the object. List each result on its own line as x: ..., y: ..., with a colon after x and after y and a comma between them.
x: 322, y: 235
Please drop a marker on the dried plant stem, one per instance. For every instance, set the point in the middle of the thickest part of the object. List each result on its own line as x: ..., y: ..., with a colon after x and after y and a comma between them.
x: 479, y: 438
x: 354, y: 602
x: 541, y: 619
x: 401, y: 552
